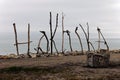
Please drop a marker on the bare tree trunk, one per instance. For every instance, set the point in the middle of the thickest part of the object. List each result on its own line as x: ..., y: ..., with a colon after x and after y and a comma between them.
x: 68, y: 33
x: 79, y: 39
x: 87, y: 39
x: 16, y: 41
x: 62, y: 33
x: 28, y: 52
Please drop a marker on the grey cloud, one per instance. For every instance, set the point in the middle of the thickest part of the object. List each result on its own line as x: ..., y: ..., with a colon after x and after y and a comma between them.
x: 36, y: 12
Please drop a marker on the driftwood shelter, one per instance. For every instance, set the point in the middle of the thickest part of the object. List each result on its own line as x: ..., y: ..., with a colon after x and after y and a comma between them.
x: 96, y: 58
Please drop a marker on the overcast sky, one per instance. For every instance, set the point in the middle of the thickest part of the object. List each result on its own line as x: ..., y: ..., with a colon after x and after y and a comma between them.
x: 98, y: 13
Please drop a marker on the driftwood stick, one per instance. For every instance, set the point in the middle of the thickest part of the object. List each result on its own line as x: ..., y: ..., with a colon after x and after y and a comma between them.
x: 55, y: 47
x: 62, y: 33
x: 39, y: 48
x: 22, y: 43
x: 87, y: 39
x: 79, y: 39
x: 51, y: 44
x: 28, y: 52
x: 92, y: 46
x: 43, y: 32
x: 16, y: 41
x: 40, y: 40
x: 56, y: 26
x: 68, y: 33
x: 103, y: 39
x: 98, y: 39
x: 55, y: 32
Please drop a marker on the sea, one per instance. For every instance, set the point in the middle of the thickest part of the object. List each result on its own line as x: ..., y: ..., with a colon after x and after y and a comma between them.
x: 7, y: 42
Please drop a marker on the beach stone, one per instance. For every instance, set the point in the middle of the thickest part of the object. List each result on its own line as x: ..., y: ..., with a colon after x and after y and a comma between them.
x: 12, y: 56
x: 33, y: 55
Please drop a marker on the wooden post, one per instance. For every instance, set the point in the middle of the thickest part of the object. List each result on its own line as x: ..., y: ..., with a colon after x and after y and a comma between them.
x: 62, y: 33
x: 79, y: 39
x: 16, y: 41
x: 51, y: 44
x: 98, y: 39
x: 28, y: 52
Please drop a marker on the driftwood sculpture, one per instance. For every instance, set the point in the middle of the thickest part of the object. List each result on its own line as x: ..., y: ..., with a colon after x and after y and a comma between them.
x: 53, y: 34
x: 79, y: 39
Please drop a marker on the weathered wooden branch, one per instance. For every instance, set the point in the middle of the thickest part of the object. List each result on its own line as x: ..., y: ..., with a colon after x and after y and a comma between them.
x: 79, y: 39
x: 22, y: 43
x: 55, y: 47
x: 16, y: 41
x: 51, y: 44
x: 40, y: 40
x: 62, y: 33
x: 56, y: 26
x: 28, y: 52
x: 103, y: 38
x: 39, y: 48
x: 43, y: 32
x: 98, y: 40
x: 92, y: 46
x: 53, y: 34
x: 68, y: 33
x: 87, y: 39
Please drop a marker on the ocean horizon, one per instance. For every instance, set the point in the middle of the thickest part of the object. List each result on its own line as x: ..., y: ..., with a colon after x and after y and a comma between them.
x: 7, y: 43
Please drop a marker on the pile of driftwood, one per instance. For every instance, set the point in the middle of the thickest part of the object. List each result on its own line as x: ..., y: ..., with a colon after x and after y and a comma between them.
x: 95, y: 58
